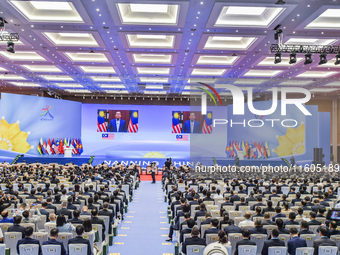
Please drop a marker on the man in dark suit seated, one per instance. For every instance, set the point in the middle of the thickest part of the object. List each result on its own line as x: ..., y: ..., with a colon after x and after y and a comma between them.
x: 193, y: 240
x: 291, y: 220
x: 43, y: 211
x: 278, y: 213
x: 208, y: 219
x: 313, y: 221
x: 232, y: 228
x: 53, y: 240
x: 64, y: 211
x: 332, y: 229
x: 80, y: 240
x: 49, y: 204
x: 257, y: 213
x: 75, y: 219
x: 305, y: 228
x: 259, y: 203
x: 96, y: 220
x: 227, y: 202
x: 117, y: 124
x: 274, y: 241
x: 280, y: 227
x: 295, y: 242
x: 269, y: 207
x: 323, y: 240
x: 266, y: 220
x: 191, y: 125
x: 213, y: 228
x: 28, y: 239
x: 258, y: 229
x: 105, y: 212
x: 201, y: 212
x: 16, y: 227
x: 191, y: 223
x: 245, y: 240
x: 235, y: 197
x: 70, y: 206
x: 242, y: 203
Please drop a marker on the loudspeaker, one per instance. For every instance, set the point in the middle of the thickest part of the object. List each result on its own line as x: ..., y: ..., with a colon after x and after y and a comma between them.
x: 318, y: 157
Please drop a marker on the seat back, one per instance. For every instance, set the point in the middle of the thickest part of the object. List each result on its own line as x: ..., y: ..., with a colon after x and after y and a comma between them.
x: 269, y: 228
x: 64, y: 237
x: 310, y: 238
x: 41, y: 236
x: 336, y: 239
x: 234, y: 238
x: 29, y: 249
x: 304, y: 251
x: 91, y: 237
x: 11, y: 239
x: 277, y: 250
x: 2, y: 249
x: 40, y: 224
x: 204, y: 227
x: 314, y: 228
x: 285, y: 238
x: 106, y: 220
x: 211, y: 238
x: 77, y: 249
x: 25, y: 225
x: 259, y: 239
x: 293, y: 226
x: 247, y: 249
x: 4, y: 226
x: 194, y: 249
x: 51, y: 249
x: 48, y: 226
x: 328, y: 250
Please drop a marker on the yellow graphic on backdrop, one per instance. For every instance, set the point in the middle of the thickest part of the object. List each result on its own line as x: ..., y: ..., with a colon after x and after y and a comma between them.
x: 292, y: 143
x: 153, y: 154
x: 12, y: 139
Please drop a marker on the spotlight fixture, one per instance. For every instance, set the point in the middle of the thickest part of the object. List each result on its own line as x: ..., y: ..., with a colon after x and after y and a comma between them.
x: 337, y: 59
x: 323, y: 58
x: 91, y: 51
x: 277, y: 58
x: 280, y: 2
x: 10, y: 47
x: 292, y: 58
x: 308, y: 59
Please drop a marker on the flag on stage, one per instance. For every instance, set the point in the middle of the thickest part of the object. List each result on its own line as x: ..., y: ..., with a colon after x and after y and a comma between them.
x: 255, y: 152
x: 42, y: 146
x: 232, y: 149
x: 251, y: 151
x: 108, y: 136
x: 207, y: 124
x: 244, y: 149
x: 182, y: 137
x: 74, y: 146
x: 55, y: 147
x: 133, y: 123
x: 247, y: 149
x: 237, y: 147
x: 228, y: 151
x: 267, y: 149
x: 40, y: 149
x: 50, y: 149
x: 61, y: 146
x: 80, y: 147
x: 263, y: 151
x: 176, y: 127
x: 101, y: 125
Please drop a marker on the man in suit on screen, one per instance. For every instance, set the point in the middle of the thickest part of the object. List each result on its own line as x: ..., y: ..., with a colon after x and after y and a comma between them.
x: 191, y: 125
x: 117, y: 124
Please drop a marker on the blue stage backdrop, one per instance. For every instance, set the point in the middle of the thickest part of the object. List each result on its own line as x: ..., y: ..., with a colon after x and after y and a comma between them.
x: 27, y: 119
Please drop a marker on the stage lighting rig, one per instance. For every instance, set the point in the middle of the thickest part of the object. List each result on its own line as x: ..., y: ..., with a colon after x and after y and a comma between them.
x: 10, y: 47
x: 292, y: 58
x: 277, y: 58
x: 337, y: 59
x: 5, y: 36
x: 308, y: 59
x: 323, y: 59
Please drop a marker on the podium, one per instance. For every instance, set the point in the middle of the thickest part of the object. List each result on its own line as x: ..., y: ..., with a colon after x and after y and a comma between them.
x: 68, y: 153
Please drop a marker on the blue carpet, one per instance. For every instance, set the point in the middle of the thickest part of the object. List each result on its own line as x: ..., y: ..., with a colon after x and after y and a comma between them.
x: 145, y: 226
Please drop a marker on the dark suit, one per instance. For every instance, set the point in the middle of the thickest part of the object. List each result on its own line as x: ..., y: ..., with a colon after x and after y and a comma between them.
x: 232, y: 229
x: 294, y: 243
x: 81, y: 240
x: 44, y: 212
x: 113, y: 126
x: 279, y: 215
x: 17, y: 228
x: 271, y: 243
x: 76, y: 221
x: 28, y: 240
x: 50, y: 206
x: 243, y: 242
x: 64, y: 211
x: 268, y: 222
x: 96, y: 220
x: 105, y: 212
x: 195, y: 240
x: 305, y: 232
x: 258, y: 230
x: 55, y: 242
x: 184, y: 231
x: 71, y: 206
x: 212, y: 230
x: 323, y: 241
x: 187, y: 129
x: 314, y: 222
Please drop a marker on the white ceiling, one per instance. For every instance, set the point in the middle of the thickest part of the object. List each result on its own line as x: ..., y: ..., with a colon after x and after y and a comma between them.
x: 98, y: 47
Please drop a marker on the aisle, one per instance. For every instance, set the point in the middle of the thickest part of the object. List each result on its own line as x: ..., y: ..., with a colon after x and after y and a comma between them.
x: 145, y: 227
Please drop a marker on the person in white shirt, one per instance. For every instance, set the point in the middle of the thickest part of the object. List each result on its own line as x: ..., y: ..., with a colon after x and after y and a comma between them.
x: 247, y: 222
x: 222, y: 245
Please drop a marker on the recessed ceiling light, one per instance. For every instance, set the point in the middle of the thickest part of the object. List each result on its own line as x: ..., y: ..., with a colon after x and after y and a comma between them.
x: 323, y: 90
x: 69, y: 85
x: 42, y: 68
x: 262, y: 73
x: 329, y: 19
x: 160, y: 8
x: 216, y: 60
x: 57, y: 77
x: 98, y: 69
x: 151, y: 70
x: 25, y: 84
x: 77, y: 91
x: 153, y: 79
x: 106, y: 78
x: 249, y: 81
x: 71, y: 39
x: 117, y: 91
x: 154, y: 92
x: 316, y: 74
x: 152, y: 58
x: 112, y: 86
x: 154, y: 87
x: 11, y: 77
x: 310, y: 41
x: 205, y: 80
x: 22, y: 55
x: 334, y: 83
x: 48, y: 11
x: 240, y: 16
x: 296, y: 82
x: 2, y: 69
x: 86, y: 57
x: 229, y: 42
x: 150, y: 41
x: 210, y: 72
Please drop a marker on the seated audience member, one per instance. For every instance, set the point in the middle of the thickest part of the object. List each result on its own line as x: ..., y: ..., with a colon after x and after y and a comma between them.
x: 278, y: 213
x: 28, y: 239
x: 258, y: 229
x: 63, y: 226
x: 193, y: 240
x: 269, y: 207
x: 266, y: 220
x: 28, y: 218
x: 43, y: 210
x: 80, y: 240
x: 274, y: 241
x: 232, y: 228
x: 190, y: 223
x: 96, y: 220
x: 291, y: 220
x: 201, y: 212
x: 280, y: 227
x: 75, y: 219
x: 245, y: 240
x: 247, y: 221
x: 242, y: 203
x: 84, y: 211
x: 53, y: 240
x: 88, y: 229
x: 295, y: 242
x: 332, y: 229
x: 221, y: 243
x: 16, y: 226
x: 64, y: 210
x: 213, y: 228
x: 105, y: 212
x: 305, y: 228
x: 53, y: 218
x: 5, y: 218
x: 208, y: 219
x: 257, y: 213
x: 313, y: 221
x: 323, y: 240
